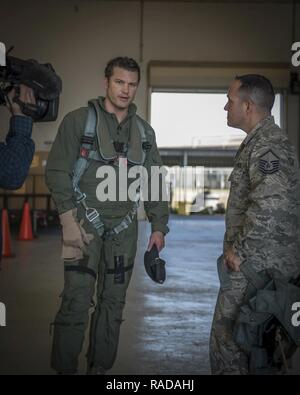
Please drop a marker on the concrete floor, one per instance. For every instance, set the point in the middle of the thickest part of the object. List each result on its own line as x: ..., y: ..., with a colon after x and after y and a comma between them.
x: 166, y: 327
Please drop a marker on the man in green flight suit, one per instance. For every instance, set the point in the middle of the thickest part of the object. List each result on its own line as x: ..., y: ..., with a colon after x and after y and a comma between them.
x: 100, y: 235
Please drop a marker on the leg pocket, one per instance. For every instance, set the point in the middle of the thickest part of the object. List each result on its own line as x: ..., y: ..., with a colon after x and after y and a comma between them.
x: 119, y: 268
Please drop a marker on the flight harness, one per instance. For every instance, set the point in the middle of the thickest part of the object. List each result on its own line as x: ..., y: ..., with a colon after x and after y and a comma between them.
x: 86, y: 155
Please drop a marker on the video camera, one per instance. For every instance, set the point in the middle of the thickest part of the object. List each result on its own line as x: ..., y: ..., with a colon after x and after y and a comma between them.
x: 43, y: 80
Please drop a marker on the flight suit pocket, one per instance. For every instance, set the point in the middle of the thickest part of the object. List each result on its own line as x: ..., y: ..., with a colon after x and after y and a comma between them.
x: 120, y: 264
x: 120, y: 268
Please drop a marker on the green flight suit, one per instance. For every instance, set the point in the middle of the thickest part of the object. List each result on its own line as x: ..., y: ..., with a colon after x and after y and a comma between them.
x: 98, y: 264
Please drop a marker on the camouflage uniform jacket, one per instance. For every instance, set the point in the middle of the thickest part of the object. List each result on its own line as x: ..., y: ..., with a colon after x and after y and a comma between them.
x: 263, y: 212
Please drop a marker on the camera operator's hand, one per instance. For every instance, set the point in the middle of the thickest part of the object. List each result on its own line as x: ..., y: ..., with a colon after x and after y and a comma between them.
x: 26, y: 96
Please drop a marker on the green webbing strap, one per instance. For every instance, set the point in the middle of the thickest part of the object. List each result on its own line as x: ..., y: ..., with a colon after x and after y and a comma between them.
x: 127, y: 220
x: 82, y: 162
x: 94, y: 155
x: 126, y: 269
x: 86, y: 155
x: 81, y: 269
x: 81, y: 166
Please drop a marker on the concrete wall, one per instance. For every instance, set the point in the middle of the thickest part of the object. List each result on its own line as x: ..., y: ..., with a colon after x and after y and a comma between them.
x: 78, y: 37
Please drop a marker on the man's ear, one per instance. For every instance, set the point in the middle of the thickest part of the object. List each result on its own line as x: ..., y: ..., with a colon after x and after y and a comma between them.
x: 106, y: 83
x: 249, y: 106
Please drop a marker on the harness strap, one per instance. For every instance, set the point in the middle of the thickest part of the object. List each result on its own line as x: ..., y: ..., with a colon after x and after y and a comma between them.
x: 81, y: 269
x: 94, y: 155
x: 83, y: 162
x: 113, y: 271
x: 81, y: 166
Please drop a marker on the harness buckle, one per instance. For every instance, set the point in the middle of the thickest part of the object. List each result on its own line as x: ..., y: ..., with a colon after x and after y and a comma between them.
x: 91, y: 214
x: 81, y: 197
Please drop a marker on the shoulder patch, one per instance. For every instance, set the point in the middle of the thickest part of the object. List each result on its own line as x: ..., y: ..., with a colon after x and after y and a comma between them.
x: 269, y: 163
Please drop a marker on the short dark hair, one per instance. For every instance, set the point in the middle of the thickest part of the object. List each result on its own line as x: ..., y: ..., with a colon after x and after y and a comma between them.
x: 259, y: 89
x: 123, y: 62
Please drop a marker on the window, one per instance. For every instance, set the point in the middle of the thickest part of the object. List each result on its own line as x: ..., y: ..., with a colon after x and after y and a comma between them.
x: 193, y: 119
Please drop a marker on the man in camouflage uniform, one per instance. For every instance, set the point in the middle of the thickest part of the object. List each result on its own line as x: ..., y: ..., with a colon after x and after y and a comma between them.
x: 263, y: 212
x: 88, y: 256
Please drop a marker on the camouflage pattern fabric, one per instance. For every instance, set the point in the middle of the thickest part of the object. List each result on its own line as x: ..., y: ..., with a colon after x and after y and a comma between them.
x: 262, y: 225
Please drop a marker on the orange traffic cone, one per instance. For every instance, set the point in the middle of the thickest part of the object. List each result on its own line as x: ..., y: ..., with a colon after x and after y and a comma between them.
x: 26, y: 227
x: 6, y: 239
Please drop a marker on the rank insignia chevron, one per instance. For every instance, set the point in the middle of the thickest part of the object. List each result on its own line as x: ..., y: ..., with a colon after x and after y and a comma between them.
x: 269, y: 163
